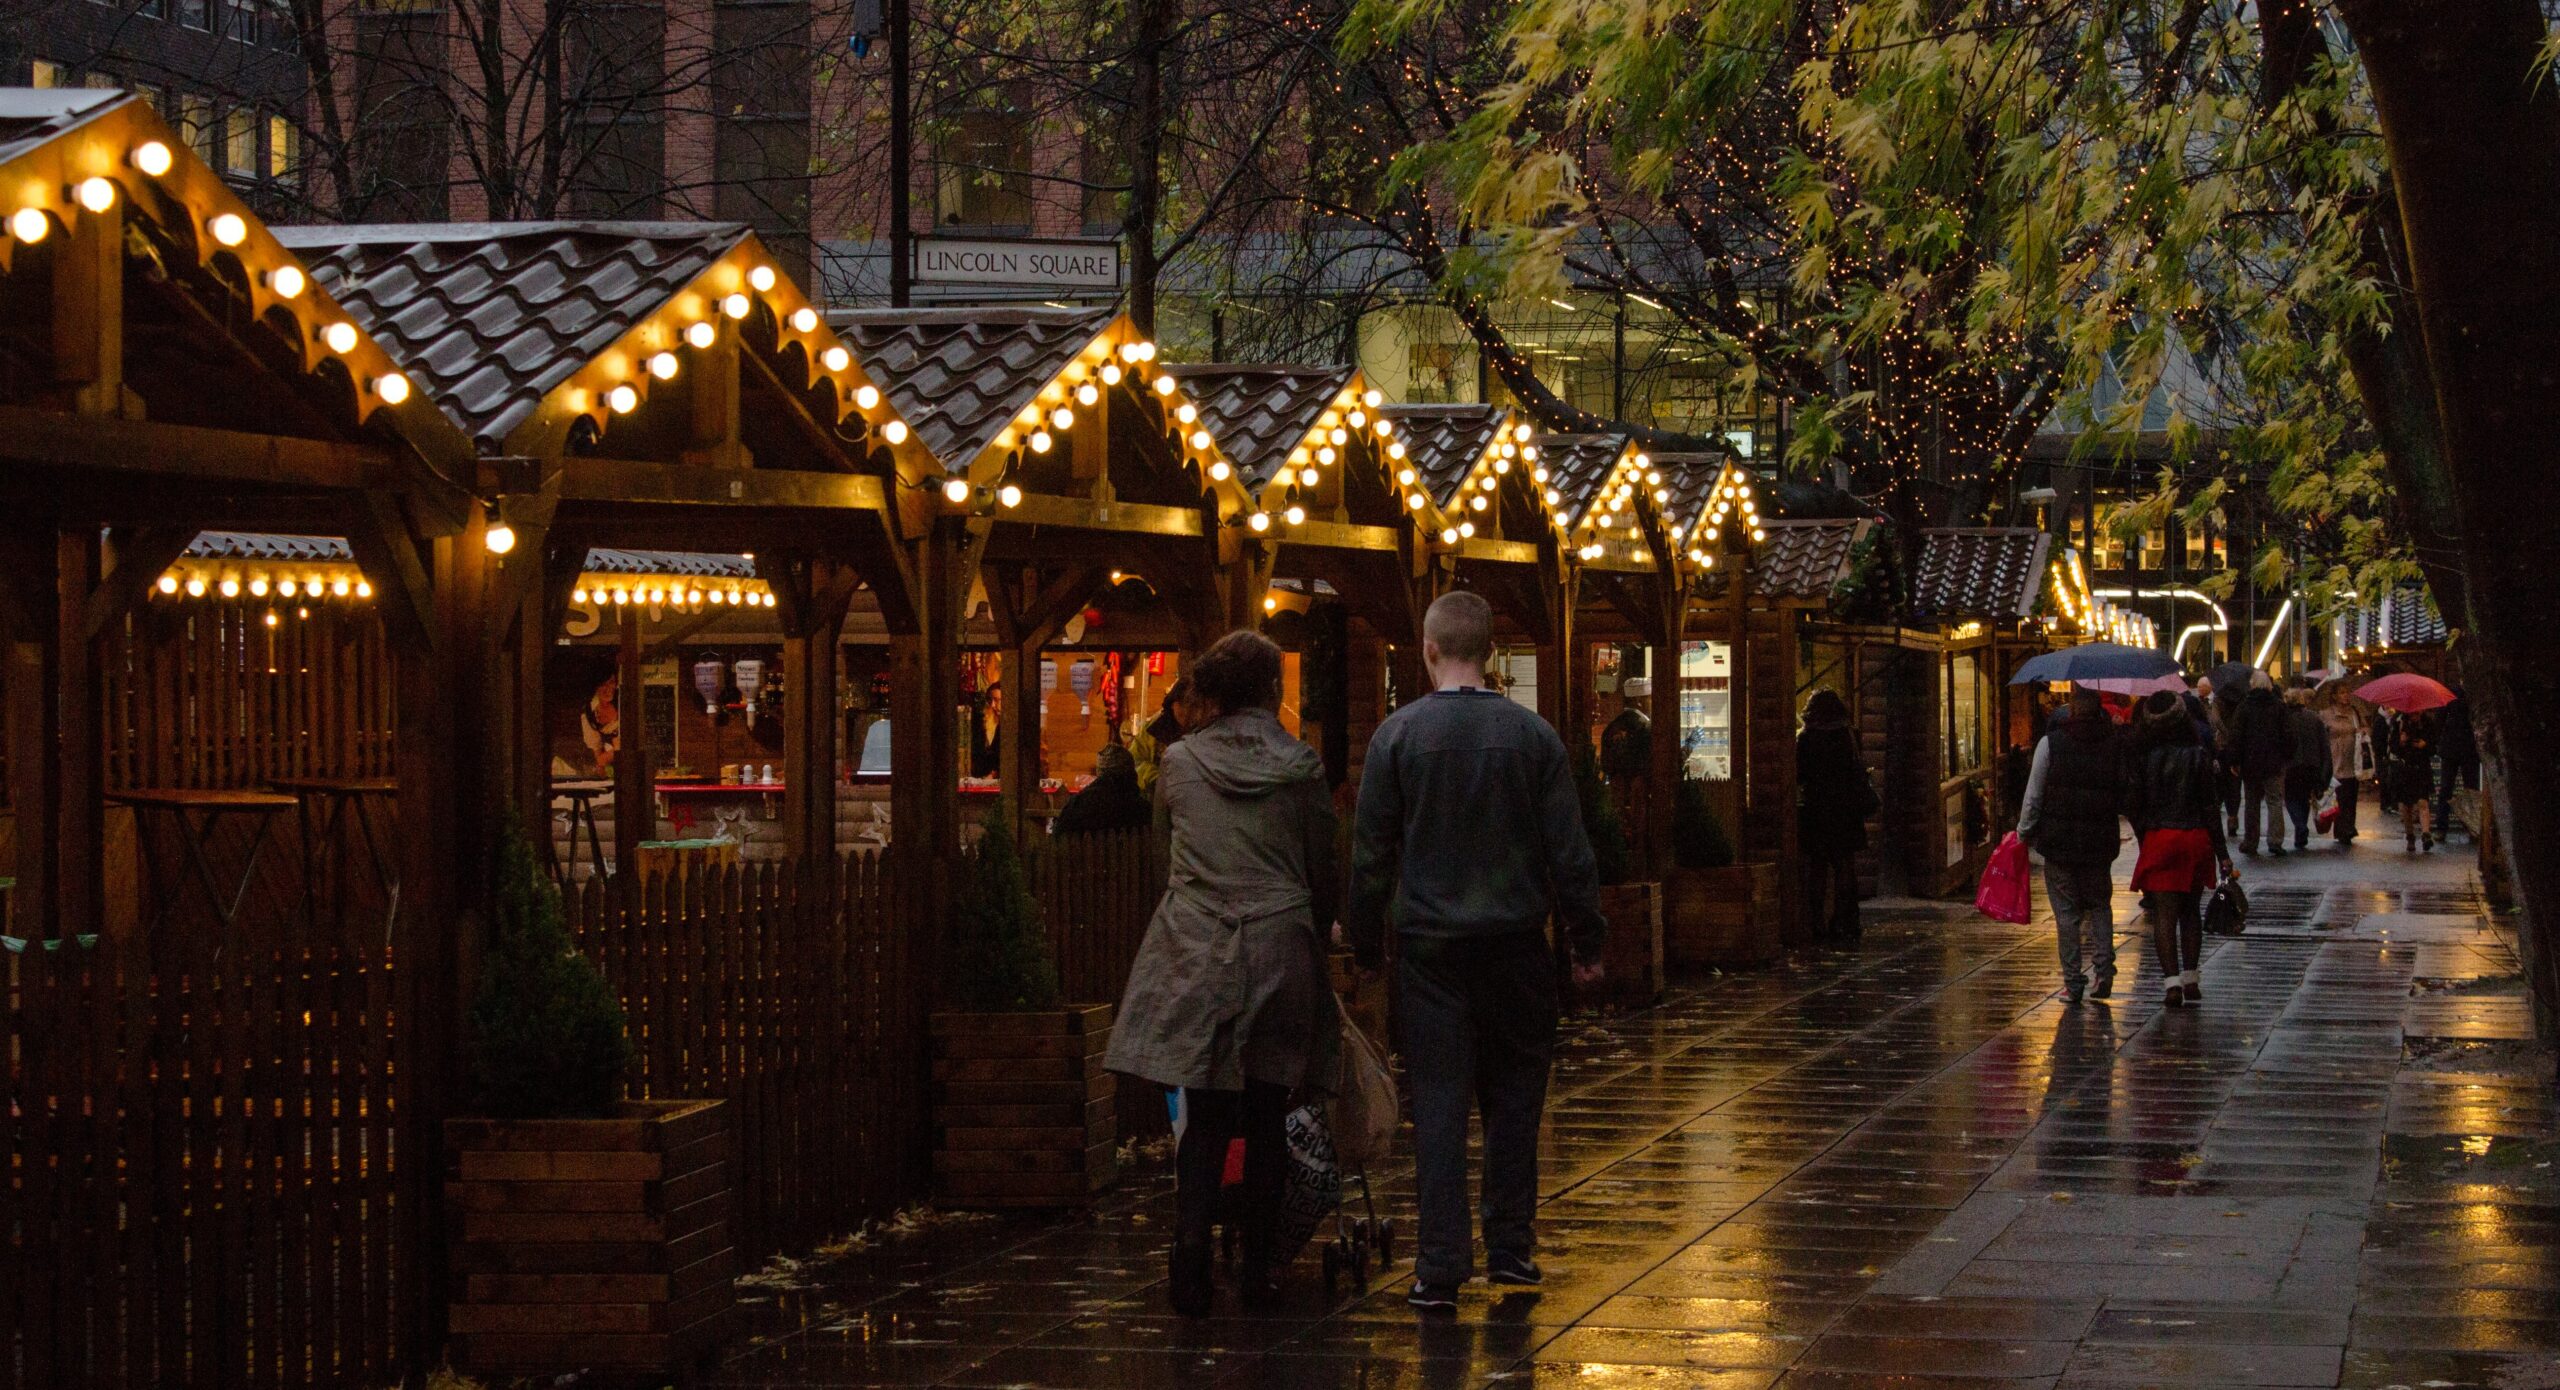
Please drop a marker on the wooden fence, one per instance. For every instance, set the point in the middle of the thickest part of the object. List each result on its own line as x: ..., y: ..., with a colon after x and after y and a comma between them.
x: 216, y: 1154
x: 208, y: 693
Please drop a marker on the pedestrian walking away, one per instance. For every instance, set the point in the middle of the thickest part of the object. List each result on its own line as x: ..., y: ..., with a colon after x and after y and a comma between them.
x: 2408, y: 775
x: 2171, y: 799
x: 2346, y: 727
x: 1469, y: 838
x: 2260, y: 753
x: 2073, y: 817
x: 2458, y: 760
x: 1228, y: 999
x: 2307, y: 762
x: 1833, y: 800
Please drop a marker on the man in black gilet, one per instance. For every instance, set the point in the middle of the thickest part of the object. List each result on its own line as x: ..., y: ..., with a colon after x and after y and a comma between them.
x: 2071, y: 816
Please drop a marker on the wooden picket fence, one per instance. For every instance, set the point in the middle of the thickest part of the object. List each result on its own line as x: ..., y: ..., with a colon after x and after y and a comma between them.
x: 1097, y: 893
x: 208, y: 693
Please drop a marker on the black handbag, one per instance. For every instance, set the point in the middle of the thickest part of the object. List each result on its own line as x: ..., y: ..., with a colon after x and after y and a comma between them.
x: 2227, y: 912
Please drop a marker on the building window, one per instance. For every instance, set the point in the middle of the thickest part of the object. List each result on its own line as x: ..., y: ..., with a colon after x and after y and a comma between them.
x: 195, y: 124
x: 983, y: 171
x: 195, y: 14
x: 284, y: 148
x: 45, y: 74
x: 240, y: 142
x: 240, y: 21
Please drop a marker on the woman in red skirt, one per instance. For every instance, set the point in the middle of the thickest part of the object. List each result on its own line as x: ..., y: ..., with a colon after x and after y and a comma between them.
x: 2175, y: 804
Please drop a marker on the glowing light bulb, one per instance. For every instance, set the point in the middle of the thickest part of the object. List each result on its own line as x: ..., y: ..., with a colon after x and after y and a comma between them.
x: 895, y: 431
x: 1466, y: 530
x: 1478, y: 502
x: 1359, y: 419
x: 230, y: 587
x: 622, y: 399
x: 1129, y: 352
x: 392, y: 387
x: 1413, y: 501
x: 1448, y: 535
x: 153, y: 158
x: 663, y: 366
x: 195, y: 586
x: 1062, y: 418
x: 364, y: 588
x: 1325, y: 454
x: 168, y: 584
x: 1537, y: 475
x: 701, y: 335
x: 1259, y: 521
x: 1088, y: 393
x: 956, y: 490
x: 1307, y: 477
x: 500, y: 538
x: 1186, y: 412
x: 866, y: 396
x: 804, y: 320
x: 29, y: 225
x: 1395, y: 449
x: 1219, y: 472
x: 1501, y: 466
x: 1110, y: 373
x: 1521, y: 433
x: 1164, y: 386
x: 1295, y: 515
x: 287, y: 587
x: 95, y: 194
x: 1200, y: 439
x: 735, y: 306
x: 228, y: 228
x: 1372, y: 399
x: 1009, y: 495
x: 760, y: 278
x: 287, y: 281
x: 1041, y: 441
x: 578, y: 595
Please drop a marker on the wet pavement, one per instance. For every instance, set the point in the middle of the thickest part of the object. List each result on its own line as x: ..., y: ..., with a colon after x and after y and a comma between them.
x: 1911, y: 1164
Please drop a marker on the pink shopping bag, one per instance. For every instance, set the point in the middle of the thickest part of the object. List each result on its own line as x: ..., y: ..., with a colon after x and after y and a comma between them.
x: 2003, y: 895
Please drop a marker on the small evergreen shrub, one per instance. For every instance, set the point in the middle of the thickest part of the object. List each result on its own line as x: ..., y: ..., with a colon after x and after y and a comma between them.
x: 1600, y: 819
x: 1000, y: 957
x: 1698, y: 840
x: 544, y: 1038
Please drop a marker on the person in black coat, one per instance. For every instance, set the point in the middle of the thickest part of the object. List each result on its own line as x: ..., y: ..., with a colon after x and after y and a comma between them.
x: 1833, y: 801
x: 1111, y: 801
x: 2261, y: 752
x: 2073, y: 816
x: 2457, y: 758
x: 2307, y: 770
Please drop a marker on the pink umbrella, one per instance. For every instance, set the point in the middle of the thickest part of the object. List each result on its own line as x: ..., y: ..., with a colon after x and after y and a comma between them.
x: 2407, y: 692
x: 2137, y: 685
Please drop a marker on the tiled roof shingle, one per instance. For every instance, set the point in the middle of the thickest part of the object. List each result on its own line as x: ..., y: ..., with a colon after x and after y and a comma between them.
x: 958, y: 376
x: 492, y: 317
x: 1577, y: 466
x: 262, y: 545
x: 1990, y: 572
x: 29, y: 116
x: 1258, y: 414
x: 709, y: 566
x: 1444, y: 442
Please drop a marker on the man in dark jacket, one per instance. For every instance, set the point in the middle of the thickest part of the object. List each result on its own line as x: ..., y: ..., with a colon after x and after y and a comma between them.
x: 1111, y: 801
x: 2071, y: 816
x: 2262, y: 752
x: 2457, y: 760
x: 1470, y: 829
x: 2307, y: 766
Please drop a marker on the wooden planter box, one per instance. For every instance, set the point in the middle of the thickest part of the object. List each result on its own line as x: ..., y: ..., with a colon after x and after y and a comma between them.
x: 1728, y: 918
x: 1023, y: 1113
x: 591, y: 1244
x: 1634, y: 954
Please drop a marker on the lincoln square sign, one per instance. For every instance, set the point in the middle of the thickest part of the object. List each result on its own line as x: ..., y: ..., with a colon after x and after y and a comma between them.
x: 1039, y: 266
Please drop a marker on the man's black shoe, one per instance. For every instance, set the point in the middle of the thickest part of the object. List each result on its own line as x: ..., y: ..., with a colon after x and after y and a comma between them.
x: 1517, y: 1270
x: 1432, y: 1298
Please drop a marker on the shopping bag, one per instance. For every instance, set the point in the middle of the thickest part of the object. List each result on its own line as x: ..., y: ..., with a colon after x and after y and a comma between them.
x: 1313, y: 1187
x: 2003, y: 894
x: 2226, y: 913
x: 1363, y: 1118
x: 2327, y: 815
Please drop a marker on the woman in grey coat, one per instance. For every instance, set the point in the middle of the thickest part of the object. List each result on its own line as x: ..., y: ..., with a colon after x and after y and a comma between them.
x: 1228, y: 998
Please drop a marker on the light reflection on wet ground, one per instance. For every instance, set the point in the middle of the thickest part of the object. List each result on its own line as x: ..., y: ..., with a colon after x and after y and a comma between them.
x: 1907, y: 1165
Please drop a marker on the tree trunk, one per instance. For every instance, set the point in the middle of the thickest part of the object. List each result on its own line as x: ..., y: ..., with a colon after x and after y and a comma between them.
x: 2472, y: 132
x: 1146, y: 157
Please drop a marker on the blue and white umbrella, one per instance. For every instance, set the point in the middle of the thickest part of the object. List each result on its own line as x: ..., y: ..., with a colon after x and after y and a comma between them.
x: 2105, y: 665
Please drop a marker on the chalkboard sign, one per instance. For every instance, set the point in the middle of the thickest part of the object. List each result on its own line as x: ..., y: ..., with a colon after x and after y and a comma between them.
x: 658, y: 721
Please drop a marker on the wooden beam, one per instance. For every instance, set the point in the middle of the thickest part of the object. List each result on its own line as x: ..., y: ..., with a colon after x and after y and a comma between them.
x: 1083, y: 513
x: 698, y: 485
x: 139, y: 554
x: 812, y: 711
x: 1487, y: 549
x: 388, y: 554
x: 191, y: 451
x: 88, y: 314
x: 635, y: 808
x: 1338, y: 535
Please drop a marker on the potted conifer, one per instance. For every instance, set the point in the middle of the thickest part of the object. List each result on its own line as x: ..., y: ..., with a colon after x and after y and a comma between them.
x: 1634, y: 909
x: 1024, y: 1114
x: 589, y: 1231
x: 1715, y: 912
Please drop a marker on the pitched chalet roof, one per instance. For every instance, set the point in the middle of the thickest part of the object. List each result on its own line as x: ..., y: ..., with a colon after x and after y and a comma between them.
x: 1692, y: 480
x: 1445, y: 442
x: 2405, y: 617
x: 693, y: 562
x: 959, y: 376
x: 492, y: 317
x: 1259, y: 414
x: 260, y: 545
x: 1990, y: 572
x: 1577, y: 466
x: 29, y: 116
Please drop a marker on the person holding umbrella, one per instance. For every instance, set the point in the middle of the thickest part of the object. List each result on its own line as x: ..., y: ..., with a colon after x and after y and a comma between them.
x: 2172, y: 801
x: 2409, y: 760
x: 2071, y: 815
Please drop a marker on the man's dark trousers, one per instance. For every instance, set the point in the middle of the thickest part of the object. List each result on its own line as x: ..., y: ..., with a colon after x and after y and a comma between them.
x: 1479, y: 1030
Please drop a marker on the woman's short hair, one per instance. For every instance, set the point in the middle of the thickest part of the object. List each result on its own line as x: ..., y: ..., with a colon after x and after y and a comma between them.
x: 1239, y: 671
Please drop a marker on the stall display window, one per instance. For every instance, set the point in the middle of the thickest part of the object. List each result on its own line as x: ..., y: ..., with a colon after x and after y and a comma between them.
x: 1963, y: 700
x: 1706, y: 710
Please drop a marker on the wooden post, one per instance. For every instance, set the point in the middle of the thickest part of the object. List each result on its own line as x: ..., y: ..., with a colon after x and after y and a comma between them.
x: 812, y: 712
x: 924, y: 730
x: 635, y: 815
x: 80, y: 844
x: 34, y: 693
x: 1557, y: 669
x: 1666, y: 771
x: 88, y: 313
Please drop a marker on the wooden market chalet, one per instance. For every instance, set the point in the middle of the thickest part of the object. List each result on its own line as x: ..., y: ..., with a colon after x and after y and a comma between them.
x: 334, y: 548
